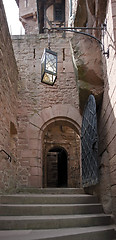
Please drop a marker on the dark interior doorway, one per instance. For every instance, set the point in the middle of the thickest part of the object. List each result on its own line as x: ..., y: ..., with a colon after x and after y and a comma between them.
x: 57, y: 167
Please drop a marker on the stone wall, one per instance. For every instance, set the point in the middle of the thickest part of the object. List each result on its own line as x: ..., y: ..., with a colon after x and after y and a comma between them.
x: 60, y: 135
x: 72, y: 8
x: 107, y: 124
x: 89, y: 13
x: 8, y: 106
x: 28, y: 15
x: 39, y: 104
x: 27, y: 8
x: 88, y: 67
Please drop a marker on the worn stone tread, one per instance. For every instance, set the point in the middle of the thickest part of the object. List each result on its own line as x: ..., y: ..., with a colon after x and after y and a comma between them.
x: 88, y: 233
x: 51, y: 205
x: 54, y: 217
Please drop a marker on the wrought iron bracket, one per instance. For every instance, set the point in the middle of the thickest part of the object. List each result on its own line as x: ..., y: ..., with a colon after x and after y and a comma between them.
x: 106, y: 53
x: 80, y: 30
x: 9, y: 157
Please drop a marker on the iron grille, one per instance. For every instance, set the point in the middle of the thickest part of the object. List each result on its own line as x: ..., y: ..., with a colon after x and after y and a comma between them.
x: 89, y: 144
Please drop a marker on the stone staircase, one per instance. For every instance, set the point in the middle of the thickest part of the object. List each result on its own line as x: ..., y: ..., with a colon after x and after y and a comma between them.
x: 49, y: 214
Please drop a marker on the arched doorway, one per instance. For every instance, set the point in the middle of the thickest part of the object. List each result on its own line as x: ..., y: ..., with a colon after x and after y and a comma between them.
x: 57, y: 167
x: 61, y: 150
x: 58, y: 125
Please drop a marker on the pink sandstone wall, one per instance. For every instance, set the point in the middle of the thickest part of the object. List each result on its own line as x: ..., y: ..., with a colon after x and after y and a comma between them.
x: 28, y: 15
x: 107, y: 129
x: 8, y: 106
x: 40, y: 105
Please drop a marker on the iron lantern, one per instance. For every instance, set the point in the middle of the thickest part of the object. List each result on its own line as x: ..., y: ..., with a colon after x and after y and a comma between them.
x: 49, y: 67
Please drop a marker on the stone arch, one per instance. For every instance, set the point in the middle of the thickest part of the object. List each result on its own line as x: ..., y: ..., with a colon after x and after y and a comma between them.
x: 59, y: 111
x: 62, y: 134
x: 39, y: 122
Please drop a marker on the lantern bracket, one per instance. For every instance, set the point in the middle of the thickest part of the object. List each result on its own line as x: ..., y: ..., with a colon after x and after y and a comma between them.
x: 81, y: 30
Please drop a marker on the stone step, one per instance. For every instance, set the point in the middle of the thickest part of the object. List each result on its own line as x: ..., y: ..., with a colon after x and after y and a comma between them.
x: 53, y: 214
x: 88, y: 233
x: 49, y: 209
x: 51, y: 190
x: 52, y: 222
x: 47, y: 199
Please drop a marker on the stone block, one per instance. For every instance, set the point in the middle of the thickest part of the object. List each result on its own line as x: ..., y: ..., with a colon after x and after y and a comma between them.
x: 113, y: 9
x: 60, y: 110
x: 34, y: 171
x: 32, y: 132
x: 46, y: 114
x: 111, y: 131
x: 36, y: 120
x: 33, y: 162
x: 25, y: 162
x: 113, y: 189
x: 111, y: 119
x: 75, y: 115
x: 113, y: 96
x: 68, y: 66
x: 112, y: 148
x: 27, y: 153
x: 35, y: 181
x: 33, y: 144
x: 60, y: 67
x: 113, y: 164
x: 113, y: 178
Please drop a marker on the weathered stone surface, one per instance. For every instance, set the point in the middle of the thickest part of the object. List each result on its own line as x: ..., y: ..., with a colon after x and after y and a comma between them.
x: 105, y: 186
x: 90, y: 13
x: 41, y: 106
x: 81, y: 14
x: 88, y: 68
x: 107, y: 121
x: 25, y: 140
x: 8, y: 107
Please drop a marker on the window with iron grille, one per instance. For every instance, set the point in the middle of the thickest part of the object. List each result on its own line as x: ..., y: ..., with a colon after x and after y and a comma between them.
x: 70, y: 8
x: 59, y: 13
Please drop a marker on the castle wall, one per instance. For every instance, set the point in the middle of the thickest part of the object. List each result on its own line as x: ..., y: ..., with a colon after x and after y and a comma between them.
x: 27, y: 7
x: 107, y: 124
x: 93, y: 13
x: 28, y: 15
x: 8, y: 106
x: 39, y: 103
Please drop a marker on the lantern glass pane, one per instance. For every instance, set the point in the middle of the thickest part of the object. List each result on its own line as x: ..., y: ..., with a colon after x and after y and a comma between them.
x: 51, y: 61
x: 48, y: 78
x: 49, y: 67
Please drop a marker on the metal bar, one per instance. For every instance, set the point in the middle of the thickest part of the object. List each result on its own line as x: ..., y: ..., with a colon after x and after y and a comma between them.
x: 9, y: 157
x: 85, y: 28
x: 37, y: 2
x: 75, y: 31
x: 87, y: 34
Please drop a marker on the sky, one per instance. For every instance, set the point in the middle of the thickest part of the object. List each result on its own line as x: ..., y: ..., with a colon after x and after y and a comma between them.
x: 12, y: 14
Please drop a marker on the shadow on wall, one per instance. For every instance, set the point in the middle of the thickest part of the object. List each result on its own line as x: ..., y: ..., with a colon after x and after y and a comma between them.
x: 106, y: 189
x: 88, y: 68
x: 107, y: 148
